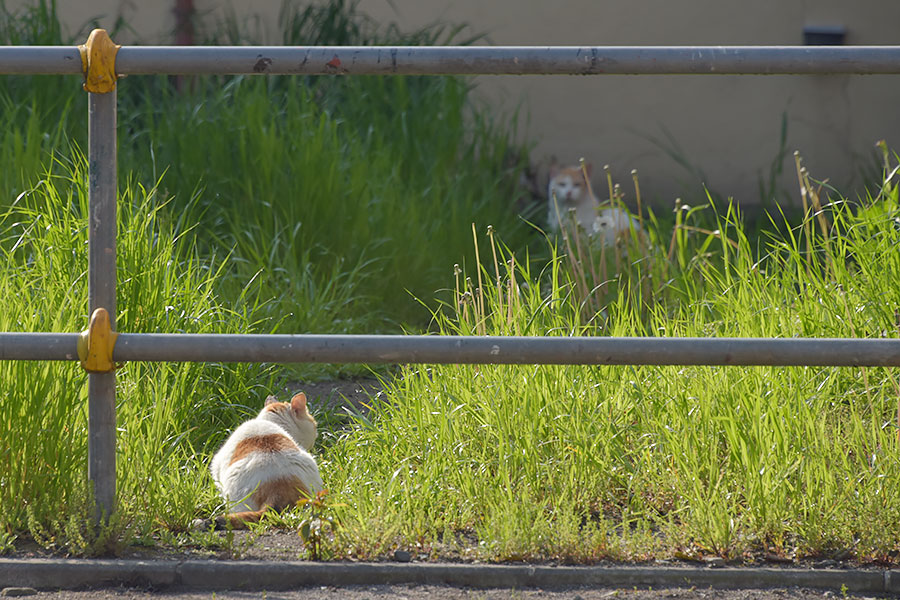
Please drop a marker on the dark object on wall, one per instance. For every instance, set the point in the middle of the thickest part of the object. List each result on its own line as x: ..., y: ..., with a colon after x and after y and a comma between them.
x: 824, y: 35
x: 184, y: 34
x: 184, y: 22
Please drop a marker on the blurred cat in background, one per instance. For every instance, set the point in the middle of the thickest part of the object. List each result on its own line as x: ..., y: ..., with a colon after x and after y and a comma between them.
x: 569, y: 197
x: 571, y: 201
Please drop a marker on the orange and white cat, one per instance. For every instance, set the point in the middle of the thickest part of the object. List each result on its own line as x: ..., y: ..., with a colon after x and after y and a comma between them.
x: 265, y: 463
x: 569, y: 196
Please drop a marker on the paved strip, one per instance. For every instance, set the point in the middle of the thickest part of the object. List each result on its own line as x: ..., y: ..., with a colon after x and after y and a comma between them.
x: 256, y: 575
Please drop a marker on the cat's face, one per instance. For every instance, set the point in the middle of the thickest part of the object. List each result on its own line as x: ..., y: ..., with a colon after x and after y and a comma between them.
x: 567, y: 184
x: 294, y: 417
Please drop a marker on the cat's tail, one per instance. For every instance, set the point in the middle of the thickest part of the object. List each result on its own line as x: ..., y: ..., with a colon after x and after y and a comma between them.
x: 240, y: 520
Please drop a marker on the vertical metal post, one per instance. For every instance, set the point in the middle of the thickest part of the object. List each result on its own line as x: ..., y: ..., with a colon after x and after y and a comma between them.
x: 102, y: 190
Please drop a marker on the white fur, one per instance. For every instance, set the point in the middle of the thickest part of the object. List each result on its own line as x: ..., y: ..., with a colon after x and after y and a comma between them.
x: 567, y: 194
x: 612, y: 224
x: 239, y: 480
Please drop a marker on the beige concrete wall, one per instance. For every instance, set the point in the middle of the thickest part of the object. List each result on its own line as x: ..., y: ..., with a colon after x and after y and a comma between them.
x: 724, y: 128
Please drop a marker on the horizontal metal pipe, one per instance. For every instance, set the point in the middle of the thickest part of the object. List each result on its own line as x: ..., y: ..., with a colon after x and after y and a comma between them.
x: 507, y: 350
x: 39, y: 346
x: 472, y: 60
x: 40, y: 60
x: 516, y: 60
x: 185, y: 347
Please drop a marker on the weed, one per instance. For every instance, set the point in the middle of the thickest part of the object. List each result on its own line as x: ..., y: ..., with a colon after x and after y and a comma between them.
x: 7, y: 542
x: 318, y: 528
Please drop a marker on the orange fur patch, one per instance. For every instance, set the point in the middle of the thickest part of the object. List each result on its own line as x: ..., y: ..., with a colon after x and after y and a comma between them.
x: 239, y: 520
x: 575, y: 173
x: 279, y: 493
x: 274, y: 442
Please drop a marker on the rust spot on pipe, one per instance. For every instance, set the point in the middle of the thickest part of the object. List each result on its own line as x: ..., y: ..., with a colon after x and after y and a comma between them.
x: 334, y: 63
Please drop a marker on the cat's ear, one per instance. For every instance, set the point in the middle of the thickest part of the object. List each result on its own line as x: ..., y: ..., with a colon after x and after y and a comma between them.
x: 298, y: 402
x: 271, y: 400
x: 554, y: 169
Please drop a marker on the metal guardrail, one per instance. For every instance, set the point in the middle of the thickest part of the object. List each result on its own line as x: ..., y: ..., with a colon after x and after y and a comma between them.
x: 101, y: 62
x: 507, y: 350
x: 466, y: 60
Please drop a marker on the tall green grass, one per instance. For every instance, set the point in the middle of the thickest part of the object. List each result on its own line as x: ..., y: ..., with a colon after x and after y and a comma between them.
x: 257, y: 205
x: 588, y: 463
x: 37, y: 112
x: 375, y: 178
x: 168, y: 414
x: 318, y: 187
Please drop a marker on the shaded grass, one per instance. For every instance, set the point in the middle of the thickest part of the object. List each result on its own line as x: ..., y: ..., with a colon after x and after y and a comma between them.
x: 361, y: 176
x: 316, y: 186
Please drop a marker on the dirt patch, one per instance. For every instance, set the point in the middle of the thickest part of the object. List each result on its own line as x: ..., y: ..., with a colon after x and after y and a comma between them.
x: 333, y: 395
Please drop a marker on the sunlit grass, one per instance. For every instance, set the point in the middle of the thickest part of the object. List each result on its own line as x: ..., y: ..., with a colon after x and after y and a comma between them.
x: 316, y: 187
x: 168, y: 414
x: 585, y: 463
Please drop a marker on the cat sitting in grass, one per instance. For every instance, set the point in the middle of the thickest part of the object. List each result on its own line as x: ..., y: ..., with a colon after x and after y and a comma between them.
x: 569, y: 197
x: 571, y: 201
x: 265, y: 463
x: 614, y: 225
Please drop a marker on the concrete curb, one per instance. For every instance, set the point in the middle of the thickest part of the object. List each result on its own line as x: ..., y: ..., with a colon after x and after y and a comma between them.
x: 256, y: 575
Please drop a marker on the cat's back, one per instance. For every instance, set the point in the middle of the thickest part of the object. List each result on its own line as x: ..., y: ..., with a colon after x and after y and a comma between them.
x: 264, y: 462
x: 254, y: 441
x: 258, y: 449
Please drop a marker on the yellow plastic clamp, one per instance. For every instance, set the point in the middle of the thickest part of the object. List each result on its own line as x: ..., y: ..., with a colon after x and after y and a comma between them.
x: 96, y: 343
x: 98, y: 62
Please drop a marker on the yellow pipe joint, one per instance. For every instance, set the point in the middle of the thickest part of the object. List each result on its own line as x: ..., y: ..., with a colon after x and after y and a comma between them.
x: 98, y: 62
x: 96, y: 343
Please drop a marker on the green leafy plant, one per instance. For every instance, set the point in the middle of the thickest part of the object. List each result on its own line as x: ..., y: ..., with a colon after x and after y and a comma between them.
x: 319, y: 527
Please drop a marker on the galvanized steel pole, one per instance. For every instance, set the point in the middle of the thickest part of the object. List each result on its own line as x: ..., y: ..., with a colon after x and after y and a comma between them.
x: 102, y: 188
x: 507, y: 350
x: 38, y: 346
x: 434, y: 349
x: 467, y: 60
x: 40, y: 60
x: 400, y: 349
x: 512, y: 60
